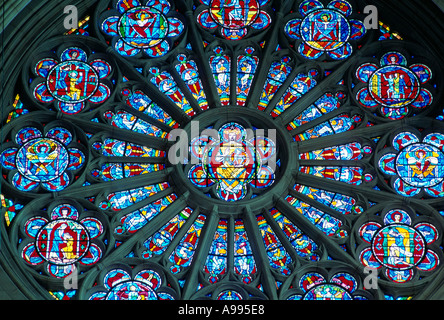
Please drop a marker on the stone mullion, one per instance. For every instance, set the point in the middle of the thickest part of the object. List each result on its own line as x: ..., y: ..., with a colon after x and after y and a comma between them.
x: 333, y: 248
x: 314, y: 94
x: 117, y: 185
x: 205, y: 241
x: 260, y: 254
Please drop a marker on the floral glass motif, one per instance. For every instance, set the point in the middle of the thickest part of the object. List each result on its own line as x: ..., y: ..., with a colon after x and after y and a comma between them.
x: 325, y: 30
x: 234, y: 17
x: 73, y: 81
x: 399, y: 246
x: 394, y: 87
x: 42, y: 159
x: 415, y: 165
x: 63, y: 240
x: 120, y: 284
x: 233, y: 163
x: 142, y: 26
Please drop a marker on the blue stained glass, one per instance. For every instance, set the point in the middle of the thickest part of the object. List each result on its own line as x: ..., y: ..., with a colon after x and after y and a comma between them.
x: 244, y: 263
x: 327, y: 103
x: 246, y: 68
x: 189, y: 73
x: 328, y: 224
x: 301, y: 84
x: 123, y: 199
x: 325, y: 29
x: 50, y: 159
x: 276, y: 76
x: 117, y: 171
x: 42, y: 160
x: 350, y: 151
x: 159, y: 242
x: 128, y: 121
x: 135, y: 220
x: 234, y: 18
x: 277, y: 255
x: 393, y: 86
x: 72, y: 81
x: 340, y: 202
x: 229, y: 295
x: 141, y: 102
x: 183, y: 254
x: 132, y: 36
x: 216, y: 263
x: 166, y: 84
x: 305, y: 247
x: 415, y: 164
x: 341, y: 123
x: 350, y: 175
x: 418, y: 165
x: 232, y: 174
x: 119, y: 148
x: 221, y: 67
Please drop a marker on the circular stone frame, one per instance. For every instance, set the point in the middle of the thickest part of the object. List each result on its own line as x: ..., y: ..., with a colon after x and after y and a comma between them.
x: 287, y: 155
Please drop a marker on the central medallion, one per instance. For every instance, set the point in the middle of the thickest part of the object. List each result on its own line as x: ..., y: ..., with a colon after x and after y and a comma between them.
x: 233, y: 161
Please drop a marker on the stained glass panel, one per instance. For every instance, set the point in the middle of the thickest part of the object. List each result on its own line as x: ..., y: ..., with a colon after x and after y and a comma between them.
x: 310, y: 150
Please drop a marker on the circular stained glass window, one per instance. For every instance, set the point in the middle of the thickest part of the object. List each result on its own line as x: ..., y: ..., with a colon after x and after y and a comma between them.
x: 224, y: 150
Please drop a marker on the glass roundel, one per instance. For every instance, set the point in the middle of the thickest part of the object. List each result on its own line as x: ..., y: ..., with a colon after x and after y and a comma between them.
x: 72, y: 74
x: 394, y: 86
x: 173, y: 155
x: 42, y: 159
x: 418, y: 165
x: 398, y: 246
x: 69, y: 241
x: 232, y: 162
x: 136, y: 23
x: 314, y: 36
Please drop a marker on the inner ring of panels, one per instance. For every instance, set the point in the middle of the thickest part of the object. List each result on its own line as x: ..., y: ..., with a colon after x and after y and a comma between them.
x: 299, y: 187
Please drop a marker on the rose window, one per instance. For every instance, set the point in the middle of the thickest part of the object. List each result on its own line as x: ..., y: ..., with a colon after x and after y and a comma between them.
x: 223, y: 150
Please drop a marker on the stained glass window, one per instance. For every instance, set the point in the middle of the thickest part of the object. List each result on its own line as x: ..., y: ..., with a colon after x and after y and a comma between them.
x: 225, y: 150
